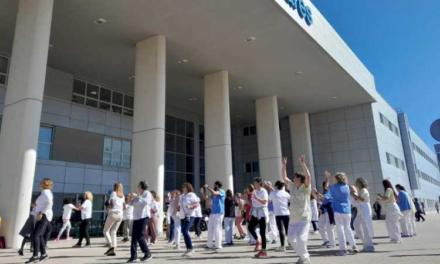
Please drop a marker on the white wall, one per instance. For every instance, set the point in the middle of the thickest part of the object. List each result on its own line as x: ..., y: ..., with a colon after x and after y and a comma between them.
x: 389, y: 142
x: 326, y: 36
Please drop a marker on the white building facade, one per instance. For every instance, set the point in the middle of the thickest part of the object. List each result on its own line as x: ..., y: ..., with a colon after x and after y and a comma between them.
x: 98, y: 92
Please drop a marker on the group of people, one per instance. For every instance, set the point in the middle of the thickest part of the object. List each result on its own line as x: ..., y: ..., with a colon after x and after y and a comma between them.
x: 283, y: 211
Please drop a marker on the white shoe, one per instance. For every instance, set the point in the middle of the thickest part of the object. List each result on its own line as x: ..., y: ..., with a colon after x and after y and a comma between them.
x: 280, y: 249
x: 188, y: 253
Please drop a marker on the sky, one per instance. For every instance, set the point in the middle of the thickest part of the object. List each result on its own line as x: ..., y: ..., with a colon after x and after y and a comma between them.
x: 399, y: 42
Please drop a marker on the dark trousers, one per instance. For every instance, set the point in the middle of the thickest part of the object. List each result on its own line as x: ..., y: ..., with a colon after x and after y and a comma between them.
x: 39, y: 236
x: 283, y: 227
x: 84, y: 231
x: 48, y: 232
x: 186, y: 224
x: 315, y: 226
x: 378, y: 214
x: 137, y: 236
x: 419, y: 215
x: 171, y: 230
x: 262, y: 224
x: 197, y: 228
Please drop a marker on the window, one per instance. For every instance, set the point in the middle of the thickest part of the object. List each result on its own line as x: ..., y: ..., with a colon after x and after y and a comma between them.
x: 45, y: 139
x: 3, y: 69
x: 99, y: 97
x: 117, y: 152
x: 396, y: 162
x: 393, y: 128
x: 179, y: 152
x: 252, y: 167
x: 249, y: 131
x: 424, y: 155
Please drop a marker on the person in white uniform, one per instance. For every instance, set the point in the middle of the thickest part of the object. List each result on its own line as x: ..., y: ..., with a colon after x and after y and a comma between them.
x: 68, y: 207
x: 43, y: 216
x: 392, y: 211
x: 114, y: 217
x: 300, y: 213
x: 365, y: 214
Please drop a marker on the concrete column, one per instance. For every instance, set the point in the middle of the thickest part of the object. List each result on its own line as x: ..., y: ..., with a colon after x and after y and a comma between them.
x: 149, y: 115
x: 268, y: 138
x: 218, y: 154
x: 301, y: 142
x: 21, y: 115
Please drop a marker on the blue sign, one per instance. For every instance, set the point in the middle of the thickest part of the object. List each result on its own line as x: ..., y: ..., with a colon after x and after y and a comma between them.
x: 304, y: 11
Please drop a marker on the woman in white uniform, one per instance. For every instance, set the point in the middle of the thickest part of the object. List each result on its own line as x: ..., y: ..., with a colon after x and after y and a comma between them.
x: 67, y: 213
x: 114, y: 217
x: 392, y: 211
x: 365, y: 214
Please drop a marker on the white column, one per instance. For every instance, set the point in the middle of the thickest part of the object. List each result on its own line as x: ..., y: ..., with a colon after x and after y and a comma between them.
x: 149, y: 115
x: 301, y: 141
x: 218, y: 157
x: 268, y: 138
x: 21, y: 115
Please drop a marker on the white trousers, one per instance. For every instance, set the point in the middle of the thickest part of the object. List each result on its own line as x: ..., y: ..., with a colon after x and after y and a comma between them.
x: 412, y: 221
x: 66, y: 226
x: 272, y: 231
x: 366, y: 220
x: 326, y: 229
x: 298, y: 236
x: 177, y: 231
x: 405, y: 223
x: 111, y: 227
x: 357, y: 224
x: 344, y: 231
x: 393, y: 226
x: 215, y: 230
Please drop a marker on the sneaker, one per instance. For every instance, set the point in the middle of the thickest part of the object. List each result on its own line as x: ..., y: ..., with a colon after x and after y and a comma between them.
x: 218, y: 250
x: 147, y: 258
x: 354, y: 250
x: 325, y: 243
x: 229, y: 244
x: 274, y: 241
x: 280, y: 249
x: 261, y: 254
x: 341, y: 253
x: 368, y: 249
x: 20, y: 252
x: 188, y: 253
x: 125, y: 240
x: 109, y: 251
x: 208, y: 248
x: 76, y: 246
x: 43, y: 258
x: 33, y: 260
x: 131, y: 261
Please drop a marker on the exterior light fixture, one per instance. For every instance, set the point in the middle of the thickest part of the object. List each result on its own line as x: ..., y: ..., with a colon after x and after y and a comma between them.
x: 100, y: 21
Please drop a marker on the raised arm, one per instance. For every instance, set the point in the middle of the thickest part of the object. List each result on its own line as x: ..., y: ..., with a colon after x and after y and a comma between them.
x: 284, y: 177
x: 211, y: 190
x: 306, y: 171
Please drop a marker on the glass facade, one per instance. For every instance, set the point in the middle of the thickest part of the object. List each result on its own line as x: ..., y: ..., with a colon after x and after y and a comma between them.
x: 102, y: 98
x: 202, y: 154
x: 117, y: 152
x: 179, y: 152
x: 45, y: 139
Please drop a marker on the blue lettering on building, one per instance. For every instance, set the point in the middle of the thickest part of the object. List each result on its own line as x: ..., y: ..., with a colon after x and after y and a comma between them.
x: 304, y: 11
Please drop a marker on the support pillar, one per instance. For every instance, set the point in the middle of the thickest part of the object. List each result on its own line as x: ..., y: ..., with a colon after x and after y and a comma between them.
x: 301, y: 142
x: 268, y: 138
x: 218, y: 153
x: 22, y: 114
x: 148, y: 147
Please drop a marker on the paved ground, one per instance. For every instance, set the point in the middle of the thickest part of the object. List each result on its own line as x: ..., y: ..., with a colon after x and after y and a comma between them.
x: 423, y: 249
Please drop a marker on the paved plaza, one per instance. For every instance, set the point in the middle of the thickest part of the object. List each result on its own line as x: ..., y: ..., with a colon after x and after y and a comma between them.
x: 423, y: 249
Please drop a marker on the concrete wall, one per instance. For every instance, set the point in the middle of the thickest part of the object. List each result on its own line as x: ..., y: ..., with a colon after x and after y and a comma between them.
x: 345, y: 140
